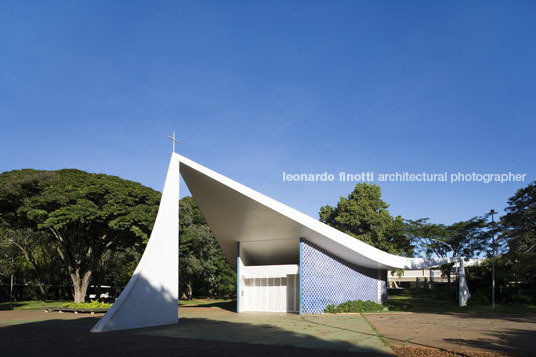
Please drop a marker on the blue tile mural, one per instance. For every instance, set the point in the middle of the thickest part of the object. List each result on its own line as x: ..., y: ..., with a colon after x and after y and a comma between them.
x: 326, y: 279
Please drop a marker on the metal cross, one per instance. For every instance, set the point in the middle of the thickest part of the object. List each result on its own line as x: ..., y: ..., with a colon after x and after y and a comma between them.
x: 174, y: 141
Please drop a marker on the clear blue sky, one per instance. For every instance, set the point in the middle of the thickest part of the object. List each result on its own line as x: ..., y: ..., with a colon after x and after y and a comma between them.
x: 255, y: 88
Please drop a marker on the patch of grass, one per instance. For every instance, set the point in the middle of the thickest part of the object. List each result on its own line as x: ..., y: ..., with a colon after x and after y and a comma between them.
x: 94, y: 304
x: 355, y: 306
x: 442, y: 300
x: 226, y: 304
x: 401, y: 351
x: 384, y: 339
x: 31, y: 305
x: 201, y: 302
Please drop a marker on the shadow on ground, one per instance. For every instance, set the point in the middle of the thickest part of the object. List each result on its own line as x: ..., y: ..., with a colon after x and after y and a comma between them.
x: 338, y: 333
x: 506, y: 334
x: 510, y: 342
x: 511, y: 339
x: 517, y: 317
x: 54, y: 336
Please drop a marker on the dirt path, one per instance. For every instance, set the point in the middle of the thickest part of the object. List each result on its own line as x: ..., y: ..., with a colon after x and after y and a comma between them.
x: 499, y: 333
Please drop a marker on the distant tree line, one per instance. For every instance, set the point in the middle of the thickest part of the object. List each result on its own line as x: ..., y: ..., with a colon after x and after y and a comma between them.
x: 204, y: 271
x: 64, y: 231
x: 364, y: 215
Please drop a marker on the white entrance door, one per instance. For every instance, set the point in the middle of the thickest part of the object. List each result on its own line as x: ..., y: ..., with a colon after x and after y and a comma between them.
x: 268, y: 289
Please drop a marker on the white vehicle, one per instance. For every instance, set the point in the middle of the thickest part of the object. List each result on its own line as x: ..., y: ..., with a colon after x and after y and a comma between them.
x: 104, y: 295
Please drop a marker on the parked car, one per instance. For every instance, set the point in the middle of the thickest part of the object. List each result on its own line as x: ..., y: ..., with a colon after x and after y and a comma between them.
x: 105, y: 292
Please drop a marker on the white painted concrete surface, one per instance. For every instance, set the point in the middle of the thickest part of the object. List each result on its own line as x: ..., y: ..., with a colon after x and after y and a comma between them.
x: 151, y: 296
x: 235, y: 213
x: 271, y: 230
x: 272, y: 288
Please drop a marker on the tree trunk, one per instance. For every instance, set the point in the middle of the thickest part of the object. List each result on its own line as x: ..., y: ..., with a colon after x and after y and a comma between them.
x: 43, y: 289
x: 80, y: 284
x: 189, y: 289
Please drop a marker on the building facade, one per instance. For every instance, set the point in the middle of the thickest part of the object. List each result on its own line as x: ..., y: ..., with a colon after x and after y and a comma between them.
x: 285, y: 260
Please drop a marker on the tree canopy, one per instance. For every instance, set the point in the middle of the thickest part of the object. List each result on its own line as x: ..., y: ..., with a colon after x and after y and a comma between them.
x: 83, y: 215
x: 519, y: 232
x: 461, y: 239
x: 364, y: 215
x: 204, y: 271
x: 464, y: 238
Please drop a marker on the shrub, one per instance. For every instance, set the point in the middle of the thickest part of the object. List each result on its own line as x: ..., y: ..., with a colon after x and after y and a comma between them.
x: 94, y: 304
x: 478, y: 299
x: 355, y: 306
x: 330, y: 309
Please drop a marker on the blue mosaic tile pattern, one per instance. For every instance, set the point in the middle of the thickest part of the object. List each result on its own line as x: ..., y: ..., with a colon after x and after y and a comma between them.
x: 327, y: 279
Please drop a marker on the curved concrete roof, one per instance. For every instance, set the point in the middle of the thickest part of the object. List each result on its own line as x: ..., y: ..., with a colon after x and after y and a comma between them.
x: 270, y: 230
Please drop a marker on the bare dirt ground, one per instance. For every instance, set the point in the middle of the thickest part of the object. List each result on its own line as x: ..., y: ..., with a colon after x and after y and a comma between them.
x: 502, y: 334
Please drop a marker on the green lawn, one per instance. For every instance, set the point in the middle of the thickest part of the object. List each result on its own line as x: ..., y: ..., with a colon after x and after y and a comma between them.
x: 439, y: 300
x: 37, y: 305
x: 411, y: 300
x: 31, y: 305
x: 226, y: 304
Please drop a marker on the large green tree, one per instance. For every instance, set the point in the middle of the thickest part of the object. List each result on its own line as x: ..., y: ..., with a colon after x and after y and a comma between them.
x: 83, y: 215
x: 519, y: 231
x: 364, y: 215
x: 36, y: 257
x: 464, y: 238
x: 204, y: 271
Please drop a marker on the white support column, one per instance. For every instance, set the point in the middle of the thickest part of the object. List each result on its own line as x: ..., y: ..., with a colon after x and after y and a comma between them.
x: 151, y: 296
x: 379, y: 287
x: 463, y: 290
x: 241, y: 302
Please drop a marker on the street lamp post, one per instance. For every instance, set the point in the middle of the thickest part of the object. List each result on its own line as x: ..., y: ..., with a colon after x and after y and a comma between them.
x: 493, y: 253
x: 11, y: 286
x: 448, y: 245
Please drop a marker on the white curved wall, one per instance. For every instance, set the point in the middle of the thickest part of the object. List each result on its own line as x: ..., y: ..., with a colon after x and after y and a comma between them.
x: 151, y: 296
x: 235, y: 213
